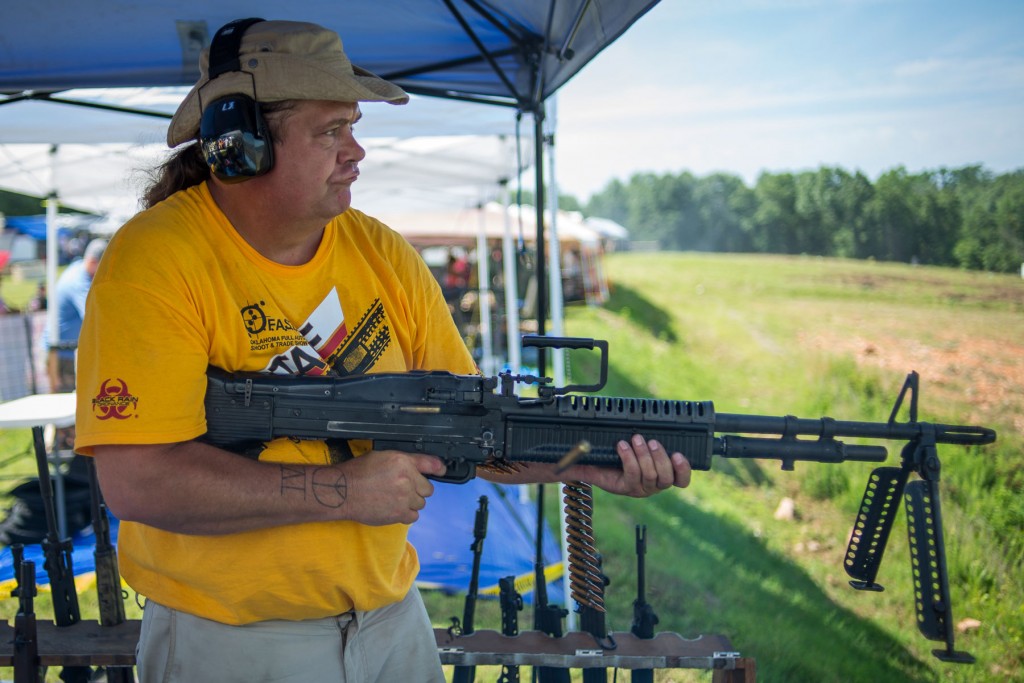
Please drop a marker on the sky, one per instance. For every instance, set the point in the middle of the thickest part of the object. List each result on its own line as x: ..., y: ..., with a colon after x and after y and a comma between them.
x: 734, y: 86
x: 748, y: 86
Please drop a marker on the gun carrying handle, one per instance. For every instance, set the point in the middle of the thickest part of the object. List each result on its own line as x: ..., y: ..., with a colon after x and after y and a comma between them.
x: 539, y: 342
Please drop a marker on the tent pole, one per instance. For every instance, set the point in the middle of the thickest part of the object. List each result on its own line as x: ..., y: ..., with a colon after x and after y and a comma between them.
x: 555, y: 257
x: 558, y: 329
x: 483, y: 258
x: 52, y: 205
x: 541, y: 266
x: 511, y: 287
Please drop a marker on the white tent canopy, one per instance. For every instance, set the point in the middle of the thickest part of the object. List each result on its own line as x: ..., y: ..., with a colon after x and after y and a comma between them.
x: 458, y: 226
x: 411, y: 173
x: 429, y: 153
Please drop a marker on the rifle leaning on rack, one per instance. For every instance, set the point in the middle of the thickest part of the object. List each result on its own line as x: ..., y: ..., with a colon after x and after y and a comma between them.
x: 26, y: 635
x: 511, y: 604
x: 108, y: 575
x: 465, y: 422
x: 644, y: 618
x: 467, y: 674
x: 57, y: 561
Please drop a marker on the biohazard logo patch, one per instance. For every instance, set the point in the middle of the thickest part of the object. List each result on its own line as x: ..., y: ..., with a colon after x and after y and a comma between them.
x: 114, y: 401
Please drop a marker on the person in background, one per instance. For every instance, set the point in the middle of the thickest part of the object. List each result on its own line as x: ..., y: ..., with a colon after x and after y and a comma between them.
x: 293, y: 564
x: 69, y: 298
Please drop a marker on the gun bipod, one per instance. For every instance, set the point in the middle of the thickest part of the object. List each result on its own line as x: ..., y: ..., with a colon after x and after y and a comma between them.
x: 886, y: 486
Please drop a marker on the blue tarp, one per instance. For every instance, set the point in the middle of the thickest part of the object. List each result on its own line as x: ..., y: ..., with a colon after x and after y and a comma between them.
x: 442, y: 537
x: 82, y: 562
x: 33, y: 226
x: 516, y: 52
x: 444, y: 534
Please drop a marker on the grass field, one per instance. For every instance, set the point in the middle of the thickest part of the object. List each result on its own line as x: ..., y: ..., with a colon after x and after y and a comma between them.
x: 813, y: 337
x: 808, y: 337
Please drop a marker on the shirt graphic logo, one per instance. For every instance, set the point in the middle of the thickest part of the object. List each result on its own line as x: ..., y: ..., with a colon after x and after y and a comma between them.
x: 114, y: 401
x: 254, y: 318
x: 364, y: 347
x: 323, y: 342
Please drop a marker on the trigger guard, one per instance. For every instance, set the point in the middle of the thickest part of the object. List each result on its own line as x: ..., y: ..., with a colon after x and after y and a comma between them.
x: 456, y: 472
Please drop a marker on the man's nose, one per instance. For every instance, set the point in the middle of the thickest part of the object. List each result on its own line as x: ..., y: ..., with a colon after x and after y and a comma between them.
x: 352, y: 151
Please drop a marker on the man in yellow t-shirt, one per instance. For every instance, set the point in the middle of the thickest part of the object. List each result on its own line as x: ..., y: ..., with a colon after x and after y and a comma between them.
x: 248, y: 257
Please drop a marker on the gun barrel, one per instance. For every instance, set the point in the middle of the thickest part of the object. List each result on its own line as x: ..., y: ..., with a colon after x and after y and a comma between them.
x: 824, y: 450
x: 828, y: 427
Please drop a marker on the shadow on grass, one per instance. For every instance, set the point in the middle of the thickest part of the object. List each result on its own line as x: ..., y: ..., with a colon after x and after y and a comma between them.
x: 707, y: 575
x: 632, y: 305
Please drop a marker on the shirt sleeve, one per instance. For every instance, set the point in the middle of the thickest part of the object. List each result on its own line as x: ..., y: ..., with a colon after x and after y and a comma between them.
x: 141, y: 366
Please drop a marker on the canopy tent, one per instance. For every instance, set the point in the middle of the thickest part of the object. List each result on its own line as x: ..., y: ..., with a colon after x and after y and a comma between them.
x: 514, y: 53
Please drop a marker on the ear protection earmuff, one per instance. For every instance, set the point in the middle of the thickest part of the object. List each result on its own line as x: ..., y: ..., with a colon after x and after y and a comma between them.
x: 232, y: 131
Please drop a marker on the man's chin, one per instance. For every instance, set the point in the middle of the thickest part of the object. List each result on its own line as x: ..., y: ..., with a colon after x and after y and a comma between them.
x: 343, y: 200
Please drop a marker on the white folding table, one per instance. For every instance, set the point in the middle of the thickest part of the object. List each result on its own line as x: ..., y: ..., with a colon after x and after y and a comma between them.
x: 42, y: 410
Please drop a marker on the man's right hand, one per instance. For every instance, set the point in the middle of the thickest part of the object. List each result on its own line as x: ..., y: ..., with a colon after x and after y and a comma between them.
x: 389, y: 487
x: 195, y: 488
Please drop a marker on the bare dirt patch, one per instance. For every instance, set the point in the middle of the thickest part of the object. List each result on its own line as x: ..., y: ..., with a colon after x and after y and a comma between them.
x: 987, y: 373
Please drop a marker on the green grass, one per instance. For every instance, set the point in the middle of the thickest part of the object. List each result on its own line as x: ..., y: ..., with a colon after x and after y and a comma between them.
x: 739, y: 330
x: 809, y: 337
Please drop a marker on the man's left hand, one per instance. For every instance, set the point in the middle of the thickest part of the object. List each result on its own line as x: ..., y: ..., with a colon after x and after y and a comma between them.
x: 646, y: 469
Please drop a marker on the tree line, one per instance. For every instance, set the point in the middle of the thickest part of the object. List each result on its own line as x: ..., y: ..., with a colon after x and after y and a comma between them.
x: 965, y: 217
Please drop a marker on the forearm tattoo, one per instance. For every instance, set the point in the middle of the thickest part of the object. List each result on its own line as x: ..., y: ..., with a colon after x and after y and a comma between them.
x: 328, y: 485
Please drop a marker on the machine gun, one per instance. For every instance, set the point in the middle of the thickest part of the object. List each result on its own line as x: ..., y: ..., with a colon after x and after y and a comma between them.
x: 469, y: 421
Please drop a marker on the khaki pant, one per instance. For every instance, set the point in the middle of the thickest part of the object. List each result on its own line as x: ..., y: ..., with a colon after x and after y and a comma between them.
x: 387, y: 645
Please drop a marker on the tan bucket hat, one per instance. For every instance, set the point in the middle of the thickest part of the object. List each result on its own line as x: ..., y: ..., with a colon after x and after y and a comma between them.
x: 283, y: 60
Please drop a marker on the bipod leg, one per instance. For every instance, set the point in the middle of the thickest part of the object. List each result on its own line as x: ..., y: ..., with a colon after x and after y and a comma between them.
x: 873, y: 525
x: 928, y: 564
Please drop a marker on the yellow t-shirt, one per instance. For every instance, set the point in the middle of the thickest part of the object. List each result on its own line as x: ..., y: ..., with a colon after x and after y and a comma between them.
x: 178, y: 290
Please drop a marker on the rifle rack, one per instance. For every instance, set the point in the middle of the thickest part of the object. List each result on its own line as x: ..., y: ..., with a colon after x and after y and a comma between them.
x: 83, y: 644
x: 579, y: 650
x: 89, y: 644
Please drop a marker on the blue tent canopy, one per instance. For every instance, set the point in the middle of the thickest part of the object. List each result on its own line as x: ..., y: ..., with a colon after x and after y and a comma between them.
x: 513, y: 52
x: 33, y: 226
